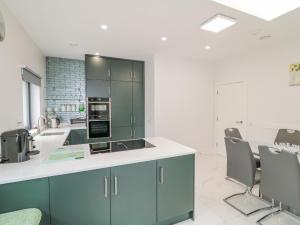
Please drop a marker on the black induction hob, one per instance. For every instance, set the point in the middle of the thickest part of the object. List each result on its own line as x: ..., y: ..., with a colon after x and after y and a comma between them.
x: 118, y: 146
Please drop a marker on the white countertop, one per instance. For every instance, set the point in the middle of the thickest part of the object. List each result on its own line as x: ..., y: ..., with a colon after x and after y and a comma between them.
x: 39, y: 166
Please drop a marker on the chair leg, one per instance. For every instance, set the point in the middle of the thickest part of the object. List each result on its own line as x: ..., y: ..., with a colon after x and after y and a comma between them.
x: 278, y: 210
x: 247, y: 191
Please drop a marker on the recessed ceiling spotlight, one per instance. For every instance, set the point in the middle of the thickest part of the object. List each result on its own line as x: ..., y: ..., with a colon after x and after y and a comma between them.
x: 164, y: 38
x: 264, y: 9
x: 97, y: 53
x: 104, y: 27
x: 207, y: 47
x: 218, y: 23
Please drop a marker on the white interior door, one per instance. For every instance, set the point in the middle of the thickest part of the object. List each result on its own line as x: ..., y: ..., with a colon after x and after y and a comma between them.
x: 230, y: 111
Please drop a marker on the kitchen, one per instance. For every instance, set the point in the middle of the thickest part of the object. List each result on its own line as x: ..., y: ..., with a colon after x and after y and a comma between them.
x: 116, y: 115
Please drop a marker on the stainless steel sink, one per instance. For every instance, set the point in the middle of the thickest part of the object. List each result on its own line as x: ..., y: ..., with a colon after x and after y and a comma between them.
x: 52, y: 133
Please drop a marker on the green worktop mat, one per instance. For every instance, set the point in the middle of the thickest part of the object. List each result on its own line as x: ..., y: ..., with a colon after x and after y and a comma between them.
x: 66, y: 154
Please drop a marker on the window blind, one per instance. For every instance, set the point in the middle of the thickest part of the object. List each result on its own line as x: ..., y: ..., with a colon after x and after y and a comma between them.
x: 30, y: 77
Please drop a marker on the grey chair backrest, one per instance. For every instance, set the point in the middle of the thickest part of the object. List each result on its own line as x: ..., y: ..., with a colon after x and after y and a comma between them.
x: 280, y: 177
x: 241, y: 164
x: 288, y: 136
x: 233, y: 132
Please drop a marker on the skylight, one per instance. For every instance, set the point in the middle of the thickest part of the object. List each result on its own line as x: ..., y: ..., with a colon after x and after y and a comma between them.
x: 218, y: 23
x: 264, y: 9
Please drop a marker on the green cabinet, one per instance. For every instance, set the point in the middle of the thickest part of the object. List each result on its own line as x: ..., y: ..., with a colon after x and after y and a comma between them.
x: 175, y: 189
x: 121, y: 133
x: 76, y: 137
x: 138, y: 105
x: 133, y: 194
x: 26, y: 194
x: 121, y: 95
x: 121, y: 70
x: 138, y: 71
x: 80, y: 198
x: 98, y: 88
x: 138, y: 132
x: 123, y: 81
x: 155, y: 192
x: 97, y: 67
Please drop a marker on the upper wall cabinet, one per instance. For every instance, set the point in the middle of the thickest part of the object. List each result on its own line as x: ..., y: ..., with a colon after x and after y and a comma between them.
x: 97, y: 88
x: 121, y: 70
x: 97, y: 68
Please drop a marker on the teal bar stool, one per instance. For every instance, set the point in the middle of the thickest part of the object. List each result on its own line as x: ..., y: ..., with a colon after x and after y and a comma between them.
x: 21, y: 217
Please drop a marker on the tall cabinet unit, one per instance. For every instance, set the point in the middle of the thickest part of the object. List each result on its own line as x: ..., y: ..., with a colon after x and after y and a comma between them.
x: 123, y: 81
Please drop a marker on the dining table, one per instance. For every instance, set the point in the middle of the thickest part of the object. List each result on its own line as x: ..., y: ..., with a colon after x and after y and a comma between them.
x: 254, y: 147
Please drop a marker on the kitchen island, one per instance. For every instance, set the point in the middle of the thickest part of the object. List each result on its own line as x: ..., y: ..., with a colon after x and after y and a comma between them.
x: 138, y: 187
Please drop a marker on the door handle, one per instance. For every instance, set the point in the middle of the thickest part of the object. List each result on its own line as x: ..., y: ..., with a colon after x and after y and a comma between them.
x: 116, y: 185
x: 134, y: 133
x: 161, y: 175
x: 105, y: 187
x: 240, y: 122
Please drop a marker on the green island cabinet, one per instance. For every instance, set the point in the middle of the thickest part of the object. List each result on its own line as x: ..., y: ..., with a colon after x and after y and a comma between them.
x: 26, y: 194
x: 159, y: 192
x: 123, y: 81
x: 133, y: 194
x: 80, y: 198
x: 175, y: 189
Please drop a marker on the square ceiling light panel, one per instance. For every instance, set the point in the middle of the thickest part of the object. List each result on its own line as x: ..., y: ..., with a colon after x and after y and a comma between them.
x: 218, y: 23
x: 264, y: 9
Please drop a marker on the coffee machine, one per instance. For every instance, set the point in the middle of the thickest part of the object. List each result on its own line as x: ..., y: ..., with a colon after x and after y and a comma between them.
x: 16, y: 146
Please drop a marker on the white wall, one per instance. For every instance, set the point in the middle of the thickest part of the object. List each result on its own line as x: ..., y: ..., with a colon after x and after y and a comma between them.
x: 272, y: 103
x: 183, y: 101
x: 16, y: 50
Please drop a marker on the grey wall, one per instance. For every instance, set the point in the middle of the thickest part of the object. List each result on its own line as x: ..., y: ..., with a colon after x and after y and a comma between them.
x: 65, y: 84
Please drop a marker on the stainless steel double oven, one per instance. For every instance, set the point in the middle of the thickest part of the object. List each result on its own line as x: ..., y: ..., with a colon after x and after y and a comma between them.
x: 98, y: 117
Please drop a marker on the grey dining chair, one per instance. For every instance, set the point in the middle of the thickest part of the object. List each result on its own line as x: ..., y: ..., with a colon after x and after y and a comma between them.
x: 241, y: 166
x: 233, y: 132
x: 280, y: 179
x: 288, y: 136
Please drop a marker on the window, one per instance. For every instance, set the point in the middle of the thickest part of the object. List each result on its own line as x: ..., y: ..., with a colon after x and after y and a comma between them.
x: 31, y: 98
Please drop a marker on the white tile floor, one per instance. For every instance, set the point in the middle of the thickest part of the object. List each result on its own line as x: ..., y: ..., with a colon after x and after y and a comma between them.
x: 211, y: 189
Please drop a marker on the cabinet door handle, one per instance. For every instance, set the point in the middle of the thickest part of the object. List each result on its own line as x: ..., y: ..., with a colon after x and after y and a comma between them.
x: 161, y: 175
x: 116, y: 185
x: 133, y: 75
x: 105, y: 187
x: 131, y: 119
x: 131, y: 132
x: 109, y: 72
x: 134, y: 133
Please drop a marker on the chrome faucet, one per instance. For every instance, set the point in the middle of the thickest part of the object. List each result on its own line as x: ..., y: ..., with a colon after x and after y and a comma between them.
x: 42, y: 122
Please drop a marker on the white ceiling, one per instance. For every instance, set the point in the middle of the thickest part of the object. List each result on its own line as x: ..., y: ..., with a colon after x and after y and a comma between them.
x: 135, y: 28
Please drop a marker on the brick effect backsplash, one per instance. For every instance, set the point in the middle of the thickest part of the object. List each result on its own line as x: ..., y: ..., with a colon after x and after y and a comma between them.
x: 65, y: 85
